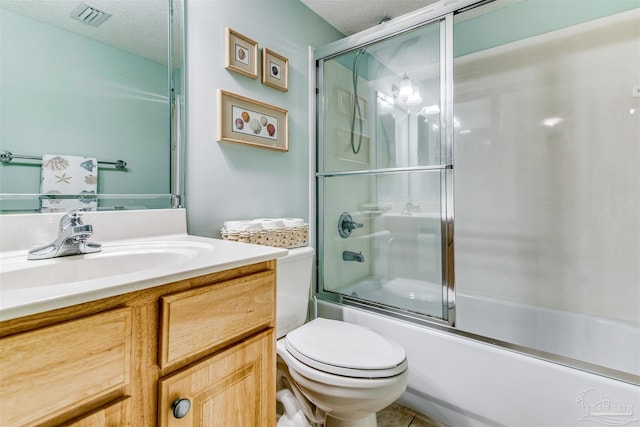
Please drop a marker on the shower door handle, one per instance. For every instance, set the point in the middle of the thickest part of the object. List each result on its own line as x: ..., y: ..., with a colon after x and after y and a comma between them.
x: 346, y: 225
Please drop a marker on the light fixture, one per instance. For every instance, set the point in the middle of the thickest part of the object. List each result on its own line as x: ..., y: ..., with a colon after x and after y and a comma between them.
x: 406, y: 88
x: 385, y: 103
x: 414, y: 98
x: 394, y: 90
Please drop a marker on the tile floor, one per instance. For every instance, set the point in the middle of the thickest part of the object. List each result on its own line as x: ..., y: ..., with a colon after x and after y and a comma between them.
x: 396, y: 415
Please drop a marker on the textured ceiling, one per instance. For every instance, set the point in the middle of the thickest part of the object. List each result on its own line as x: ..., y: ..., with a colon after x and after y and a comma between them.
x: 352, y: 16
x: 139, y: 26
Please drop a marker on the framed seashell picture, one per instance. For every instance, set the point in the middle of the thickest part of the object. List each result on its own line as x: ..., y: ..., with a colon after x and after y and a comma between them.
x: 275, y: 70
x: 247, y: 121
x: 241, y: 53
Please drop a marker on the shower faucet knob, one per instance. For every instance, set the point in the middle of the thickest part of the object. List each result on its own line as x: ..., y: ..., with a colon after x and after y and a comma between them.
x: 346, y: 225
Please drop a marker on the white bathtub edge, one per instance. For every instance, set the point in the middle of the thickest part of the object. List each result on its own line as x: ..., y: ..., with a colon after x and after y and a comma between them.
x: 486, y: 385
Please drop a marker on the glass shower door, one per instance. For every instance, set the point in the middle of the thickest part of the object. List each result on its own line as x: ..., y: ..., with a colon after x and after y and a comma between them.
x: 383, y: 173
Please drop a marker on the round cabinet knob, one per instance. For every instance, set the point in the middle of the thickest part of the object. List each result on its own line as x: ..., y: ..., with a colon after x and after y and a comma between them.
x: 180, y: 407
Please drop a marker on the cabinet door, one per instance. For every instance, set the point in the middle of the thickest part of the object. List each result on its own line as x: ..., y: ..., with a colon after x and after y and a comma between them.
x: 48, y: 373
x: 235, y: 387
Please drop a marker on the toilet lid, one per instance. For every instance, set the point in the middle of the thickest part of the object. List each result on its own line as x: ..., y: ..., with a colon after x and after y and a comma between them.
x: 347, y: 349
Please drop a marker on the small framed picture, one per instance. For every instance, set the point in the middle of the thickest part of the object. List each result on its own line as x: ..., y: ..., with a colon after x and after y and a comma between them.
x: 241, y: 53
x: 275, y: 70
x: 247, y: 121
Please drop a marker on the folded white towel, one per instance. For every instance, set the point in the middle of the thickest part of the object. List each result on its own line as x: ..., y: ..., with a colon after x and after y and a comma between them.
x: 69, y: 175
x: 262, y: 224
x: 293, y: 222
x: 272, y: 224
x: 242, y: 225
x: 234, y: 225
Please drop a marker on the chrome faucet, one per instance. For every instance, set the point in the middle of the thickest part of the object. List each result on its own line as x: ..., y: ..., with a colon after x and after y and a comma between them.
x: 410, y: 208
x: 72, y: 239
x: 352, y: 256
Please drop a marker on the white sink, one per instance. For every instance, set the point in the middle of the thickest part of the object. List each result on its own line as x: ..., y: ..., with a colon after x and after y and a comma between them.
x: 17, y: 272
x: 140, y: 250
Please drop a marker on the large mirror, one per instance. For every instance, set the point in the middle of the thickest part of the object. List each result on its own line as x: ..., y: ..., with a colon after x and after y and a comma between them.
x: 83, y: 81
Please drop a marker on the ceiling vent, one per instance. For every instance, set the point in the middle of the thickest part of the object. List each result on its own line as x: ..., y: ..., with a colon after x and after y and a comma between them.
x: 89, y: 15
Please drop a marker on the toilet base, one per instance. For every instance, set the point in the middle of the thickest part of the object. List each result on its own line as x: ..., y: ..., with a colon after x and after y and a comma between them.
x: 368, y: 421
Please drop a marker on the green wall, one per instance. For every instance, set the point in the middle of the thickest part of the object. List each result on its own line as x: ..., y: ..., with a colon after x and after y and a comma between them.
x: 65, y: 94
x: 232, y: 181
x: 528, y: 18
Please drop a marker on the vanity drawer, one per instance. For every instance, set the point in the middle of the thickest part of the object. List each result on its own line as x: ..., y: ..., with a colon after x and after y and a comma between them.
x: 114, y: 415
x: 47, y: 372
x: 202, y: 319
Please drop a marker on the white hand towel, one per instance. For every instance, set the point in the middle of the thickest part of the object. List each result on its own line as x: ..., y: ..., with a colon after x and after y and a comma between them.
x: 293, y: 222
x: 242, y: 225
x: 272, y: 224
x: 69, y: 175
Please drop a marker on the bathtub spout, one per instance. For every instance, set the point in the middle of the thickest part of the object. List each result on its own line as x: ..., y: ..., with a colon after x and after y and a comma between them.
x: 352, y: 256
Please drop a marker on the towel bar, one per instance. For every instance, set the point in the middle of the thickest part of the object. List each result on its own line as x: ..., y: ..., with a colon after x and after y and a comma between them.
x: 6, y: 157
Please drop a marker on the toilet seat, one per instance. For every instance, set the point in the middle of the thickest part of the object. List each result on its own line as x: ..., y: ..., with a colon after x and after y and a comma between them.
x: 346, y: 349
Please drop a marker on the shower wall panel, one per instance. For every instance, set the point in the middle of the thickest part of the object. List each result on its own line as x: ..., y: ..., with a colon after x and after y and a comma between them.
x: 547, y: 170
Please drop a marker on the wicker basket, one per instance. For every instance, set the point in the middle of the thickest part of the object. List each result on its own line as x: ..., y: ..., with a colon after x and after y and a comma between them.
x: 288, y: 237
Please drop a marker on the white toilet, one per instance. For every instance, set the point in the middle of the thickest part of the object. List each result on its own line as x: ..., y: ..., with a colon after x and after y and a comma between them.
x: 337, y: 373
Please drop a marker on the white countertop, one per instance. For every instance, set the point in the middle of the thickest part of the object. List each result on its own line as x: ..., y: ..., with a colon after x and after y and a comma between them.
x: 181, y: 256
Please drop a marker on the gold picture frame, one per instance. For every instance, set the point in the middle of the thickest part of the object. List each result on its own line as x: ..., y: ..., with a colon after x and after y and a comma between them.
x: 241, y: 53
x: 275, y: 70
x: 247, y: 121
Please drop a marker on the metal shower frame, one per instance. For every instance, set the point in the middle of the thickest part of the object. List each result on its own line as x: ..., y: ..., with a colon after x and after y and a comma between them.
x: 443, y: 15
x: 381, y: 32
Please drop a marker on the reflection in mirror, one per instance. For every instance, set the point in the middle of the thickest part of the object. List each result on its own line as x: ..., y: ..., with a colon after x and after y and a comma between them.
x: 392, y: 132
x: 75, y: 90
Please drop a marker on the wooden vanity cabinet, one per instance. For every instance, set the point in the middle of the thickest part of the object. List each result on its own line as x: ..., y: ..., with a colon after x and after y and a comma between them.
x: 206, y: 343
x: 225, y: 389
x: 62, y: 368
x: 113, y: 415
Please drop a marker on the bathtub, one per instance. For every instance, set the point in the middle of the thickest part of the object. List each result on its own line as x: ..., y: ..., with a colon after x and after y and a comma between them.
x: 461, y: 381
x: 574, y: 335
x: 413, y: 295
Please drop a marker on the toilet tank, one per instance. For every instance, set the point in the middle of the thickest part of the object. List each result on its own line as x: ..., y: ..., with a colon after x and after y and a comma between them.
x: 293, y: 289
